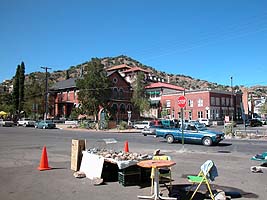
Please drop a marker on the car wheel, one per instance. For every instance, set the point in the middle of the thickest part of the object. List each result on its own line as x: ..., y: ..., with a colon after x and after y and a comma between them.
x: 35, y: 126
x: 24, y: 125
x: 136, y: 127
x: 170, y: 138
x: 145, y: 134
x: 207, y: 141
x: 44, y: 127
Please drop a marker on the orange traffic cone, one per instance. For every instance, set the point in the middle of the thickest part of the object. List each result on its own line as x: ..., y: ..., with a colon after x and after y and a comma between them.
x: 126, y: 147
x: 44, y: 161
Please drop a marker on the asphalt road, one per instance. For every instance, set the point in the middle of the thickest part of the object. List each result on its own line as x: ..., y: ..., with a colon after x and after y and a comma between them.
x: 21, y: 148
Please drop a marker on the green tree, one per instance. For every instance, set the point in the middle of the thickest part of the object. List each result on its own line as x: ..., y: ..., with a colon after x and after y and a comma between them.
x: 263, y: 108
x: 139, y: 98
x: 94, y: 88
x: 21, y: 86
x: 6, y: 102
x: 34, y: 96
x: 15, y: 93
x: 18, y: 88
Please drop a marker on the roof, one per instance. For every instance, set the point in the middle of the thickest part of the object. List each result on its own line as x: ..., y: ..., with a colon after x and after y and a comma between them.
x: 134, y: 69
x: 65, y: 84
x: 117, y: 67
x: 164, y: 85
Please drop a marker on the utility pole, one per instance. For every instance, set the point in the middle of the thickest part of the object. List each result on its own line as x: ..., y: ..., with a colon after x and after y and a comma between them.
x: 46, y: 92
x: 232, y: 102
x: 232, y: 106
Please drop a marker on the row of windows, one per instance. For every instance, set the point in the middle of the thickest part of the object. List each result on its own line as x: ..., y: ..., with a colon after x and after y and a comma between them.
x: 116, y: 93
x: 215, y: 101
x: 68, y: 94
x: 121, y: 108
x: 190, y: 103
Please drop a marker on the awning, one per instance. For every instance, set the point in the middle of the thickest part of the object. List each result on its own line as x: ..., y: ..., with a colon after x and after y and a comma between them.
x: 153, y: 92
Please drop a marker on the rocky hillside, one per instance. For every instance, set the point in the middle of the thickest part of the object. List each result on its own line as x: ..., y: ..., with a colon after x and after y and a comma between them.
x: 177, y: 79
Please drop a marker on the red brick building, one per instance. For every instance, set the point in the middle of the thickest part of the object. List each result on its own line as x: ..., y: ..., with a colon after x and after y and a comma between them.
x: 64, y: 95
x: 205, y: 103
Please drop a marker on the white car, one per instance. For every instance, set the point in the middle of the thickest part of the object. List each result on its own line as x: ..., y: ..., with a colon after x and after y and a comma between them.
x: 142, y: 124
x: 207, y: 122
x: 25, y: 122
x: 6, y: 123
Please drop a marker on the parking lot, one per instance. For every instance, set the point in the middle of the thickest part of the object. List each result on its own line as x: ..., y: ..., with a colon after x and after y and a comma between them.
x: 21, y: 151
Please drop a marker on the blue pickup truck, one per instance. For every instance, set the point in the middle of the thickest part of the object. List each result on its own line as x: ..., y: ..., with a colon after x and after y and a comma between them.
x: 193, y: 133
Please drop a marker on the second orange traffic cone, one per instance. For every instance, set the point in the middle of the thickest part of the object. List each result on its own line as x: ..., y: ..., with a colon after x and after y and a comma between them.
x: 126, y: 146
x: 44, y: 161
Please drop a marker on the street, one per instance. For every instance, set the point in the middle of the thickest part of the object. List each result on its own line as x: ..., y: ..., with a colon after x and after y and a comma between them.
x: 21, y: 150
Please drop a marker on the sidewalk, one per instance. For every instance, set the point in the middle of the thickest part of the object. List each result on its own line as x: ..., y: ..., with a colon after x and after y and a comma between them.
x: 75, y: 128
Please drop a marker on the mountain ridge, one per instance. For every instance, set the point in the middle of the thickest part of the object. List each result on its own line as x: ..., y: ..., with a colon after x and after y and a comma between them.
x: 176, y: 79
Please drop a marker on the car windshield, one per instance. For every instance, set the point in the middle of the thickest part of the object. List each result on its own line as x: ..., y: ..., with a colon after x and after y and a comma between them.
x: 200, y: 127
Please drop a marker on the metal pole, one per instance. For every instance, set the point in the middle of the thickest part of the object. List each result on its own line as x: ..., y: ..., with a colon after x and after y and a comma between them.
x: 182, y: 115
x: 182, y: 110
x: 46, y: 92
x: 232, y: 106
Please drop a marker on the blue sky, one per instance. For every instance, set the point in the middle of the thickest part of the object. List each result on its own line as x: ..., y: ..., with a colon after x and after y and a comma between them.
x: 206, y: 39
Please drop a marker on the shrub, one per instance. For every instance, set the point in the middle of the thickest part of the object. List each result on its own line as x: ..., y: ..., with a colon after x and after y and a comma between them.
x: 123, y: 125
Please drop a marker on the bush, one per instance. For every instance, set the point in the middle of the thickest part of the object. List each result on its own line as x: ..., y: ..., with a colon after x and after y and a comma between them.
x: 123, y: 125
x: 229, y: 129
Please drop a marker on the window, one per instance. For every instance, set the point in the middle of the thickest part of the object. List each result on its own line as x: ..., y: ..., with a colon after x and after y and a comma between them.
x: 74, y: 94
x: 207, y: 114
x: 172, y: 114
x: 114, y: 108
x: 200, y: 114
x: 122, y: 109
x: 227, y: 102
x: 190, y: 115
x: 115, y: 80
x: 121, y: 93
x: 168, y: 103
x: 200, y: 102
x: 190, y: 103
x: 68, y: 95
x: 212, y: 101
x: 115, y: 93
x: 129, y: 107
x: 223, y: 101
x: 217, y: 101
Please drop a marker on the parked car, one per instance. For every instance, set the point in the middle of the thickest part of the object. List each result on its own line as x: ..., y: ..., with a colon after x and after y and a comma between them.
x: 193, y: 133
x: 26, y: 122
x: 45, y: 124
x: 253, y: 122
x: 142, y: 124
x: 207, y: 122
x: 6, y: 123
x: 151, y: 130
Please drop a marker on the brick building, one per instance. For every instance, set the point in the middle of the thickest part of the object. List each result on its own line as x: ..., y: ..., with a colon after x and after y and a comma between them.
x: 205, y: 103
x: 64, y: 97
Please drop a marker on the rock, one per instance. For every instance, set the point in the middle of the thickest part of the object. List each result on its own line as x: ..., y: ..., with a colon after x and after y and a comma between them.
x: 79, y: 174
x: 97, y: 181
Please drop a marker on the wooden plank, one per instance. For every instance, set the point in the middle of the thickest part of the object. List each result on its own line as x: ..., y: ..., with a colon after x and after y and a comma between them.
x: 77, y: 146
